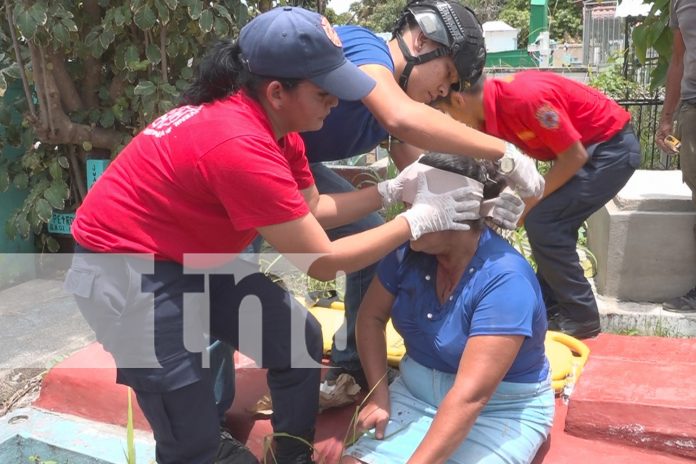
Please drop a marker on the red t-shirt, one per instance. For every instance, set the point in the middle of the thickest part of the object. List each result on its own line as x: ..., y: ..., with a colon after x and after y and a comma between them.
x: 544, y: 113
x: 199, y: 179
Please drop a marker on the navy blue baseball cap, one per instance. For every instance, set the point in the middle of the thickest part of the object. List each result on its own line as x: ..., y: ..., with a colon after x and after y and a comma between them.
x: 294, y: 43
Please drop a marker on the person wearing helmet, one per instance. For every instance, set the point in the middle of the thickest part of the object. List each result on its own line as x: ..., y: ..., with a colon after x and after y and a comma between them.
x: 457, y: 33
x: 436, y: 45
x: 594, y: 150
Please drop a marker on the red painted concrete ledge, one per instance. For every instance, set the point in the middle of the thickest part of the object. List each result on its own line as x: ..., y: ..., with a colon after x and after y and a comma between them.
x: 626, y: 377
x: 639, y: 391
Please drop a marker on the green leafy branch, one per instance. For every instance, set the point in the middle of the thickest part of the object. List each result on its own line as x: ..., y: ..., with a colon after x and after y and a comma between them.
x: 655, y: 34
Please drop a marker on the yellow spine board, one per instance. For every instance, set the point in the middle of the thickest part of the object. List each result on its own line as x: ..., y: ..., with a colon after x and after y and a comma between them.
x: 562, y: 350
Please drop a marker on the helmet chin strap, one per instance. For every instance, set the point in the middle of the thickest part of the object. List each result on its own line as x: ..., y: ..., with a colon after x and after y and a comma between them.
x: 412, y: 61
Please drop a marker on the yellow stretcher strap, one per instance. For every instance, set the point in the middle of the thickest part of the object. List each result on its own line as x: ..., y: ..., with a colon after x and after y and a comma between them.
x: 564, y: 353
x: 562, y: 350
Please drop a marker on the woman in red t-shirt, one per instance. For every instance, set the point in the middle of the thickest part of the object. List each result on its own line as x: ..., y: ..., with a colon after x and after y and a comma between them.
x: 192, y: 190
x: 594, y: 150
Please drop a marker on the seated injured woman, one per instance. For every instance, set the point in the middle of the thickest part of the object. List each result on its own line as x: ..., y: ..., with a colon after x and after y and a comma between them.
x: 474, y: 384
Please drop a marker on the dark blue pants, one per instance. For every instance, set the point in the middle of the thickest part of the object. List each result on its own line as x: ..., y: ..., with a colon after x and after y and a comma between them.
x: 552, y: 225
x: 177, y: 395
x: 222, y: 370
x: 344, y: 353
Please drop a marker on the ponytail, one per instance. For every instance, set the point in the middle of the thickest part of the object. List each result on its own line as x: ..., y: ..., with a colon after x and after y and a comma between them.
x: 220, y: 73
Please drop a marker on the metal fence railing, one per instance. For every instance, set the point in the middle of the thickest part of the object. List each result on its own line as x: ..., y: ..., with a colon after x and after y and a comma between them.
x: 602, y: 33
x: 645, y: 118
x: 645, y: 106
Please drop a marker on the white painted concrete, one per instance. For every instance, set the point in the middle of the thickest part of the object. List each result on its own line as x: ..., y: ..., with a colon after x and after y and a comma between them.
x: 500, y: 36
x: 644, y: 239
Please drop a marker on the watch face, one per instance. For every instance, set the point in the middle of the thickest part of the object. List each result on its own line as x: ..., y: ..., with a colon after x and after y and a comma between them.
x: 507, y: 165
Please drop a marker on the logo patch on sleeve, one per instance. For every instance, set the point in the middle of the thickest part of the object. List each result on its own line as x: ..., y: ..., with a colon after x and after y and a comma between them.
x: 330, y: 32
x: 526, y: 135
x: 548, y: 117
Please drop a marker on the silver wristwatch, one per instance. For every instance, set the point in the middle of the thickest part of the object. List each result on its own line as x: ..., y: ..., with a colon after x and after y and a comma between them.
x: 506, y: 164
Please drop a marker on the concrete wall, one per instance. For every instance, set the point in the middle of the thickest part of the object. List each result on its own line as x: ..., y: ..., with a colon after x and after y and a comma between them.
x: 645, y: 239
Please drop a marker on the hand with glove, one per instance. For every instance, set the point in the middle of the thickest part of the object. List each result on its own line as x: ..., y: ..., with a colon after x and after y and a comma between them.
x: 523, y: 175
x: 506, y: 209
x: 432, y: 212
x: 391, y: 189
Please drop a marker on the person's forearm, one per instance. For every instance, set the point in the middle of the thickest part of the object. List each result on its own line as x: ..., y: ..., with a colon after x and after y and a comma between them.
x: 370, y: 335
x: 404, y: 154
x: 563, y: 169
x: 337, y: 209
x: 425, y: 127
x: 355, y: 252
x: 673, y: 89
x: 454, y: 419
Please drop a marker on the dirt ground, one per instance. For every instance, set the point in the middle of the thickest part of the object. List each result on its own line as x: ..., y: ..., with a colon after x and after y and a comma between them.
x: 19, y: 388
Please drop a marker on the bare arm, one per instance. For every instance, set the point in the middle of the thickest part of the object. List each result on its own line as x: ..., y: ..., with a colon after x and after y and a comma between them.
x: 370, y: 334
x: 484, y: 363
x: 336, y: 209
x: 420, y: 125
x: 307, y: 246
x: 373, y: 315
x: 404, y: 154
x: 673, y: 89
x: 564, y: 168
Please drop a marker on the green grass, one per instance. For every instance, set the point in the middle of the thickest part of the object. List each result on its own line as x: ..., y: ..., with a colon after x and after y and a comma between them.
x: 650, y: 328
x: 350, y: 437
x: 38, y: 460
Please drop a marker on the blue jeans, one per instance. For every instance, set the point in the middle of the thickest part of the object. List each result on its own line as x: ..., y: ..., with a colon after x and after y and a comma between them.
x: 222, y: 371
x: 344, y: 353
x: 552, y: 225
x: 509, y: 429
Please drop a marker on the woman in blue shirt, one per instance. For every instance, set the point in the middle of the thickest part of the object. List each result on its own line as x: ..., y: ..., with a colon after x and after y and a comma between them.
x: 473, y: 320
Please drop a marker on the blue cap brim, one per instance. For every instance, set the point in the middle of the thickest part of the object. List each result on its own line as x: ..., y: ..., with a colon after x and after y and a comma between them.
x: 347, y: 82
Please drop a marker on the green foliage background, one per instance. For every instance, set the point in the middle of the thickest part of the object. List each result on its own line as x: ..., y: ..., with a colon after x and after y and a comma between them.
x: 654, y: 34
x: 565, y: 16
x: 81, y: 78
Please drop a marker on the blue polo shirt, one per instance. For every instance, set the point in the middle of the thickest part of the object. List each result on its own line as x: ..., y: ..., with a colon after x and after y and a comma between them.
x: 350, y: 129
x: 497, y: 295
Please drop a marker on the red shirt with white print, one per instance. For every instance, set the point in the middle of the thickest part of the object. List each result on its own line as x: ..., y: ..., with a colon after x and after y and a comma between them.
x: 544, y: 113
x: 199, y: 179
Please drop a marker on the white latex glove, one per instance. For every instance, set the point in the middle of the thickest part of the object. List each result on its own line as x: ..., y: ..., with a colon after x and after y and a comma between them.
x: 507, y: 210
x: 433, y: 212
x: 391, y: 189
x: 525, y: 177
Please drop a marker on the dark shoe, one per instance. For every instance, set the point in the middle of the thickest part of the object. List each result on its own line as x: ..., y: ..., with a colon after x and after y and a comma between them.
x: 232, y: 451
x: 585, y: 329
x: 682, y: 304
x: 552, y: 311
x: 291, y: 450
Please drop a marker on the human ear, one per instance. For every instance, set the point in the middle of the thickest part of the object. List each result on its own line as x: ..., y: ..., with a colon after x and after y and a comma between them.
x: 420, y: 42
x: 275, y: 94
x: 457, y: 99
